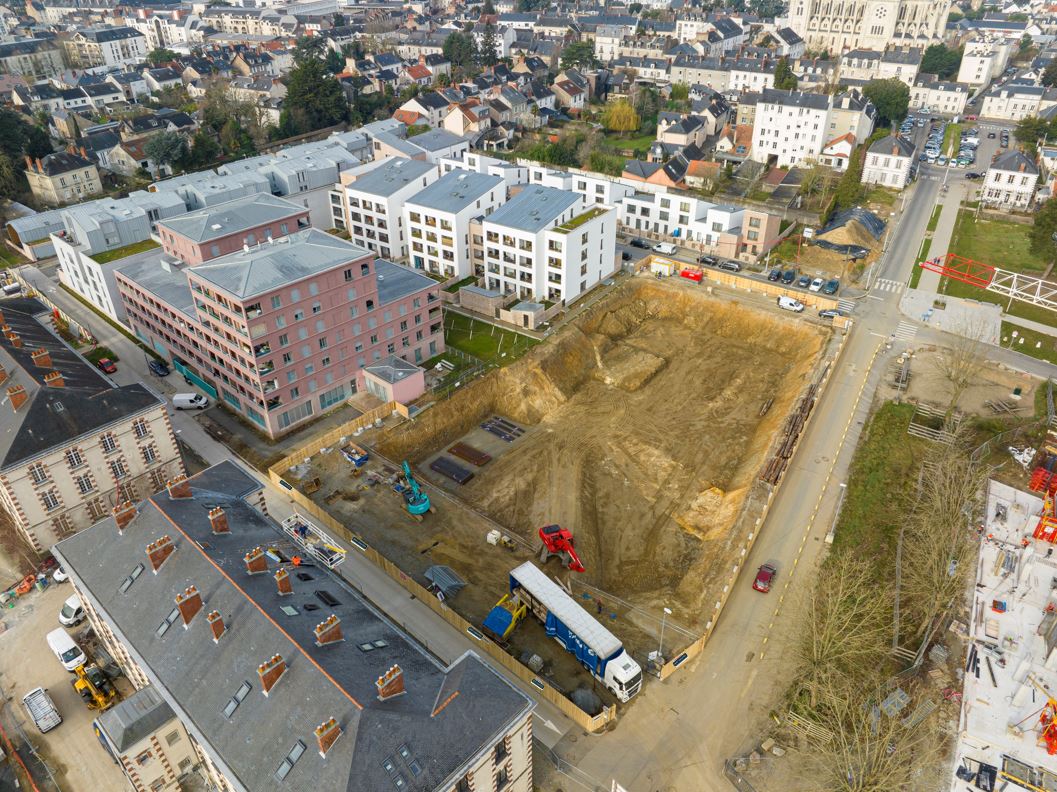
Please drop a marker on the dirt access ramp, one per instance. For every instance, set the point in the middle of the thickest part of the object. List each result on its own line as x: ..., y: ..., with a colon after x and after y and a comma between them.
x: 645, y: 435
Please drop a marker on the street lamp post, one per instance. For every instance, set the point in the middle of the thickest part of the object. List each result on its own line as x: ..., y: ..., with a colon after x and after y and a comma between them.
x: 660, y: 646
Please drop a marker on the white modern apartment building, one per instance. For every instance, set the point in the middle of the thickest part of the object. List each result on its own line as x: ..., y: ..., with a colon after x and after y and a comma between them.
x: 512, y: 173
x: 1010, y: 182
x: 543, y: 244
x: 790, y: 127
x: 984, y: 59
x: 374, y: 204
x: 437, y: 220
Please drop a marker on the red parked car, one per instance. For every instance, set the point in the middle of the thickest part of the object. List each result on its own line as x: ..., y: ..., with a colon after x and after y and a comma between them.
x: 107, y: 365
x: 764, y: 578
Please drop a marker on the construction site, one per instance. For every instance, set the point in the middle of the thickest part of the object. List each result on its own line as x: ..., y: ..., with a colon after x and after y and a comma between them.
x: 642, y: 429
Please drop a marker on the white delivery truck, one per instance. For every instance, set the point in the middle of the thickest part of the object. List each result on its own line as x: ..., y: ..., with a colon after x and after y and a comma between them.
x: 42, y: 709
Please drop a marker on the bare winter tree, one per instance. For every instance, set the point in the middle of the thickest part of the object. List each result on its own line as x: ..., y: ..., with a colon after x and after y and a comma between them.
x: 859, y: 748
x: 960, y: 363
x: 846, y: 620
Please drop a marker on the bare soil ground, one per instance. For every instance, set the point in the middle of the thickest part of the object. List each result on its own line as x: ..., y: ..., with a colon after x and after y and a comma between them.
x: 643, y: 436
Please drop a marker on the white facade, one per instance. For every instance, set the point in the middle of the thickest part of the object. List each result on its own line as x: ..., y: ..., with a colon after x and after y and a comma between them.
x: 1010, y: 182
x: 983, y: 60
x: 95, y: 282
x: 437, y: 220
x: 870, y: 24
x: 790, y: 127
x: 933, y: 96
x: 557, y: 250
x: 888, y: 164
x: 375, y: 201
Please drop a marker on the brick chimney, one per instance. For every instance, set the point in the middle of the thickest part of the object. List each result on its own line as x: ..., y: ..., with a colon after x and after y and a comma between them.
x: 53, y: 379
x: 40, y: 166
x: 189, y: 602
x: 124, y: 513
x: 390, y: 684
x: 14, y: 338
x: 219, y: 520
x: 3, y: 375
x: 159, y: 550
x: 1023, y: 167
x: 255, y: 561
x: 327, y: 733
x: 29, y: 162
x: 216, y: 624
x: 179, y: 487
x: 271, y: 672
x: 41, y: 358
x: 18, y: 396
x: 84, y: 153
x: 328, y: 631
x: 282, y: 582
x: 2, y: 319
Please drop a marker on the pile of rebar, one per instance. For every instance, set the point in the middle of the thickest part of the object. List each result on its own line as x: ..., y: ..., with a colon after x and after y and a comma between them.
x: 794, y: 425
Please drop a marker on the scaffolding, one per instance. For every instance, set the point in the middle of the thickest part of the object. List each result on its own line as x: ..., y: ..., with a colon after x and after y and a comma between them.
x: 315, y: 542
x: 1014, y: 285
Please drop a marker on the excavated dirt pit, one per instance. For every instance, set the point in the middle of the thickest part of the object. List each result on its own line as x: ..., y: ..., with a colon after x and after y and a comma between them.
x: 643, y: 436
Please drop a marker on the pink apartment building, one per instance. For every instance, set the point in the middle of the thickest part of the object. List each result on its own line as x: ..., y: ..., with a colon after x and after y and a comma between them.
x: 226, y: 228
x: 282, y: 330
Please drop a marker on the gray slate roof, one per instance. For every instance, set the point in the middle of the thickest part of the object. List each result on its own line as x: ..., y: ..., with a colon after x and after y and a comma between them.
x: 534, y: 208
x: 1014, y: 161
x: 129, y: 721
x: 269, y: 266
x: 232, y: 217
x: 892, y: 146
x: 198, y: 678
x: 53, y: 417
x: 455, y: 191
x: 794, y: 99
x: 393, y: 369
x: 396, y: 282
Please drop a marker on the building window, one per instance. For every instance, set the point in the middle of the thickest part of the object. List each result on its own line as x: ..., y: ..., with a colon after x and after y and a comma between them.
x: 463, y: 784
x: 140, y: 429
x: 50, y: 499
x: 149, y: 454
x: 84, y: 484
x: 172, y: 738
x: 117, y: 468
x: 109, y: 443
x: 38, y: 473
x: 502, y: 778
x: 74, y: 458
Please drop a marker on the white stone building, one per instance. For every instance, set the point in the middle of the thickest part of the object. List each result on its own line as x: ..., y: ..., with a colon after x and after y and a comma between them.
x: 888, y: 163
x: 868, y: 24
x: 790, y: 127
x: 1010, y: 182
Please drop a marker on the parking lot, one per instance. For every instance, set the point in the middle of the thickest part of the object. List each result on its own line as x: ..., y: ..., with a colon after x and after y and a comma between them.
x: 71, y: 751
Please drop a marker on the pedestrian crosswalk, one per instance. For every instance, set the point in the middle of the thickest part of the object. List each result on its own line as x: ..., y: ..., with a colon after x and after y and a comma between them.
x: 884, y: 284
x: 906, y: 331
x: 846, y: 306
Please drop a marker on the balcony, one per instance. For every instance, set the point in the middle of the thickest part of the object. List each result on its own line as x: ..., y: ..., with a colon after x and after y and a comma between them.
x: 270, y: 386
x: 266, y: 368
x: 271, y: 404
x: 262, y: 349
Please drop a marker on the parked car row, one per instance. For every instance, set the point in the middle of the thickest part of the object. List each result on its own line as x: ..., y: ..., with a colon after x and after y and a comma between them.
x: 789, y: 278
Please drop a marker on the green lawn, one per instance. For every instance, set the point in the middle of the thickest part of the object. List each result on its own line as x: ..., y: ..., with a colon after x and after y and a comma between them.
x: 934, y: 220
x: 125, y: 250
x: 923, y: 254
x: 469, y: 280
x: 951, y: 138
x: 641, y: 143
x: 880, y: 195
x: 100, y: 352
x: 483, y: 340
x: 9, y: 258
x: 882, y: 477
x: 1030, y: 342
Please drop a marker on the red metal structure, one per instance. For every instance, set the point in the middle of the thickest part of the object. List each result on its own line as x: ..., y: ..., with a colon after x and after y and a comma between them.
x: 558, y: 541
x: 1046, y: 530
x: 966, y: 270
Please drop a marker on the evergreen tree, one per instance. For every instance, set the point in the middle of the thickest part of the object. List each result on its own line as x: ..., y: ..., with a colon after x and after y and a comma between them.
x: 314, y: 99
x: 488, y: 52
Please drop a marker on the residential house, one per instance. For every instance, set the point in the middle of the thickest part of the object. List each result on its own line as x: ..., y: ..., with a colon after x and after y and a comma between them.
x: 34, y: 59
x: 62, y: 177
x: 790, y: 127
x: 837, y: 153
x: 888, y: 162
x: 1010, y: 182
x: 105, y: 46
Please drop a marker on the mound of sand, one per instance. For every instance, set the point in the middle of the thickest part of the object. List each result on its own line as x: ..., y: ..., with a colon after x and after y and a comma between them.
x: 628, y: 368
x: 851, y: 233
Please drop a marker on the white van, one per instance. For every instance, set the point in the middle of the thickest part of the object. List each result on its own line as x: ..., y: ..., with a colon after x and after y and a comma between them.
x: 789, y: 304
x: 68, y: 652
x: 189, y: 401
x: 72, y: 613
x: 665, y: 248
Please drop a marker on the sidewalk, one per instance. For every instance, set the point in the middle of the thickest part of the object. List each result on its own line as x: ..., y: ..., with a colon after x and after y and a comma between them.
x: 941, y: 238
x: 1039, y: 327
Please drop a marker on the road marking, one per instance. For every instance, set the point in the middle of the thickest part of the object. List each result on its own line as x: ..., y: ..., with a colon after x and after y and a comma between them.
x: 846, y: 305
x: 822, y: 491
x: 888, y: 285
x: 874, y: 297
x: 906, y: 331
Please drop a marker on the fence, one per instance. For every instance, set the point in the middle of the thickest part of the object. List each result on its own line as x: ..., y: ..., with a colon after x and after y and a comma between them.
x: 736, y: 778
x: 570, y: 771
x: 310, y: 508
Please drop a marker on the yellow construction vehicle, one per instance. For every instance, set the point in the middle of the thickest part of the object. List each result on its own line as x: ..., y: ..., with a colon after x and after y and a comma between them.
x: 93, y: 686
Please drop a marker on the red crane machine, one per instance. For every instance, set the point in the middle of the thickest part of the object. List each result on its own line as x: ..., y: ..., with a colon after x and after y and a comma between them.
x: 558, y: 541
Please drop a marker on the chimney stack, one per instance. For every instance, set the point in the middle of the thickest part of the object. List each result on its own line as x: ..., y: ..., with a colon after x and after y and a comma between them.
x: 41, y: 358
x: 18, y: 396
x: 53, y: 379
x: 124, y: 513
x: 216, y: 624
x: 14, y: 338
x: 218, y: 518
x: 179, y: 487
x: 29, y: 162
x: 84, y: 153
x: 390, y: 684
x: 282, y: 582
x: 327, y: 733
x: 328, y: 631
x: 40, y: 166
x: 255, y: 562
x: 160, y: 550
x: 3, y: 375
x: 271, y: 672
x: 189, y: 603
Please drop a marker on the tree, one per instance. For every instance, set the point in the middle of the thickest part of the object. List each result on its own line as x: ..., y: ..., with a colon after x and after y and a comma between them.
x: 680, y: 92
x: 891, y: 97
x: 160, y: 55
x: 784, y: 79
x: 648, y: 105
x: 204, y: 150
x: 941, y: 61
x: 1043, y: 232
x: 621, y: 117
x: 314, y: 99
x: 309, y: 48
x: 1030, y: 131
x: 488, y: 7
x: 579, y: 55
x: 635, y: 8
x: 335, y: 62
x: 338, y: 20
x: 488, y: 49
x: 1049, y: 74
x: 461, y: 50
x: 38, y: 142
x: 959, y: 363
x: 9, y: 178
x: 166, y: 148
